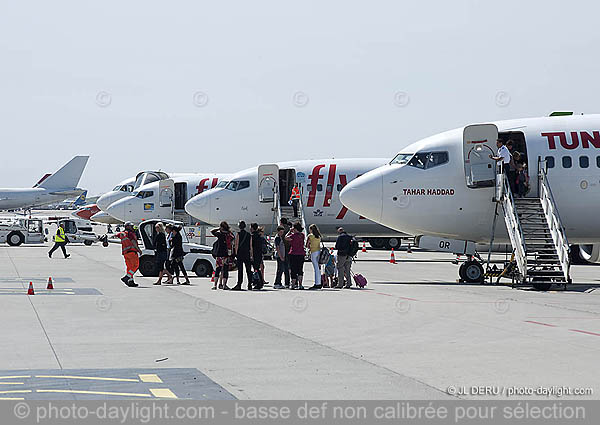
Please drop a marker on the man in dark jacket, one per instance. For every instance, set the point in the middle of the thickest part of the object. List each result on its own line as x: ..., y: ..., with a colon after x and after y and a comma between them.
x: 281, y: 254
x: 343, y: 245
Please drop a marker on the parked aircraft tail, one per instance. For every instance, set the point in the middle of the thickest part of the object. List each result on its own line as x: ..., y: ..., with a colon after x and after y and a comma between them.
x: 68, y: 176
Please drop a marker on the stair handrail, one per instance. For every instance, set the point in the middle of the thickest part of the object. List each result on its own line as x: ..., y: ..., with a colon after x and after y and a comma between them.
x: 277, y: 210
x: 513, y: 224
x: 557, y: 230
x: 301, y: 211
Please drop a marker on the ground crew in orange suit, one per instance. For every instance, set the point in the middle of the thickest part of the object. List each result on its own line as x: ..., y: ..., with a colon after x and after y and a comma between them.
x: 295, y: 199
x: 131, y: 252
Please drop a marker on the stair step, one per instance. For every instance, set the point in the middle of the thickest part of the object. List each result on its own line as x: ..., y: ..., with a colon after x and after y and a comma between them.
x: 545, y: 272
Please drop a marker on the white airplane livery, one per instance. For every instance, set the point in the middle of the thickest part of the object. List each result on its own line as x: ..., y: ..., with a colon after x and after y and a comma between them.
x: 256, y: 195
x: 445, y: 185
x: 52, y: 189
x: 162, y: 196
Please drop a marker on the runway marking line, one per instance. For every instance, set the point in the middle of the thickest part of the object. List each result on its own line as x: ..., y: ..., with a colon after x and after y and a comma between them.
x: 12, y: 383
x: 162, y: 393
x: 15, y: 392
x: 93, y: 392
x: 93, y: 378
x: 11, y: 398
x: 150, y: 378
x: 541, y: 323
x: 585, y: 332
x: 15, y: 377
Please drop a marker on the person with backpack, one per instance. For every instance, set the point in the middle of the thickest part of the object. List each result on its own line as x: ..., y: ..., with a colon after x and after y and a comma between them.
x: 258, y: 248
x: 345, y: 253
x: 243, y: 254
x: 296, y: 239
x: 313, y: 244
x: 281, y: 254
x: 222, y: 251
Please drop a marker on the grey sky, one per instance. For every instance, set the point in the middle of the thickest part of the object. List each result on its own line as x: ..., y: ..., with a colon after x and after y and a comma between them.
x: 119, y: 79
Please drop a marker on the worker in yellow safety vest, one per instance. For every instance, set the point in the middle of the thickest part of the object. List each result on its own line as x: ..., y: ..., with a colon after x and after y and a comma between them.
x: 295, y: 199
x: 60, y: 241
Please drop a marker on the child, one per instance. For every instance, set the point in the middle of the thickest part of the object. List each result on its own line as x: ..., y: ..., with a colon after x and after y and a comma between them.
x: 330, y: 272
x: 522, y: 180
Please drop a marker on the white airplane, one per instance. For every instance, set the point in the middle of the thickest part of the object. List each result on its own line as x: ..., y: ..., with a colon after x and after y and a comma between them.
x: 52, y: 189
x: 445, y: 187
x: 256, y: 195
x: 163, y: 198
x: 122, y: 190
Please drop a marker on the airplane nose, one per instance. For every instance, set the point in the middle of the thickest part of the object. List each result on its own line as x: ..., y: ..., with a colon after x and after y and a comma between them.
x: 364, y: 195
x: 104, y: 201
x: 200, y: 207
x: 118, y: 209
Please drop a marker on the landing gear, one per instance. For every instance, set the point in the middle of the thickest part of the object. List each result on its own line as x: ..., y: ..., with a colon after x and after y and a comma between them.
x: 377, y: 243
x: 394, y: 243
x: 471, y: 271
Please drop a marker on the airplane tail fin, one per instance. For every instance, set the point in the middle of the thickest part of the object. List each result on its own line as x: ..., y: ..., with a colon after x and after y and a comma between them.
x: 81, y: 199
x: 68, y: 176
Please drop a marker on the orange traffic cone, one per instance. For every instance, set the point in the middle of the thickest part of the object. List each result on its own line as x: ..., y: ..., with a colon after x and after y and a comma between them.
x: 50, y: 285
x: 212, y: 279
x: 364, y: 248
x: 408, y: 250
x: 30, y: 291
x: 393, y: 257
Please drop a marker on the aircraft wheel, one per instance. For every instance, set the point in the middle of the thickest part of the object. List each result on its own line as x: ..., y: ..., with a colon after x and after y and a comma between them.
x: 393, y: 243
x: 203, y: 268
x: 473, y: 272
x: 15, y: 238
x: 461, y: 272
x: 87, y: 243
x: 541, y: 284
x: 148, y: 266
x: 377, y: 243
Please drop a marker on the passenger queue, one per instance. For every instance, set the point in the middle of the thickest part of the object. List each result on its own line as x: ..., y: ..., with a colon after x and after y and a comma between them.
x: 247, y: 249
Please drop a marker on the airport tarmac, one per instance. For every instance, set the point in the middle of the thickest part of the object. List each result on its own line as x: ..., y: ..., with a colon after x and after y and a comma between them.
x: 411, y: 334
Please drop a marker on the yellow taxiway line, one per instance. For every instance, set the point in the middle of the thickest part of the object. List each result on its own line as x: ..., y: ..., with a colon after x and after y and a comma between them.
x: 93, y: 392
x: 93, y: 378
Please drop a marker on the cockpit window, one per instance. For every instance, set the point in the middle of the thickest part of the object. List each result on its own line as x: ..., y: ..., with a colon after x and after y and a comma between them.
x: 419, y: 160
x: 427, y: 160
x: 401, y: 159
x: 222, y: 184
x: 437, y: 158
x: 236, y: 185
x: 142, y: 194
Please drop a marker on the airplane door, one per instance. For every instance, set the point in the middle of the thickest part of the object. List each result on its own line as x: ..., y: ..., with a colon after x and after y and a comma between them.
x: 268, y: 177
x: 479, y: 142
x: 166, y: 193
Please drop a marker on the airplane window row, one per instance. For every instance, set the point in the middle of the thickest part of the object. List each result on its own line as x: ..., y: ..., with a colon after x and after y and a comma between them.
x: 236, y: 185
x: 567, y: 161
x: 142, y: 194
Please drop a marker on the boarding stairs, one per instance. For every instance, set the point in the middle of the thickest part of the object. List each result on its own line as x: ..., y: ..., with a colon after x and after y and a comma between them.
x: 287, y: 211
x: 536, y: 233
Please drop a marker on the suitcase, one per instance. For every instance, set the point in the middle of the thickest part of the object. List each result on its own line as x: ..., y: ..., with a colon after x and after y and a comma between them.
x: 360, y: 280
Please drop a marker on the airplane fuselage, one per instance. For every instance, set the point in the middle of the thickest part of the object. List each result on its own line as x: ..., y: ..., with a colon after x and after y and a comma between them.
x: 438, y: 200
x: 11, y: 199
x: 321, y: 182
